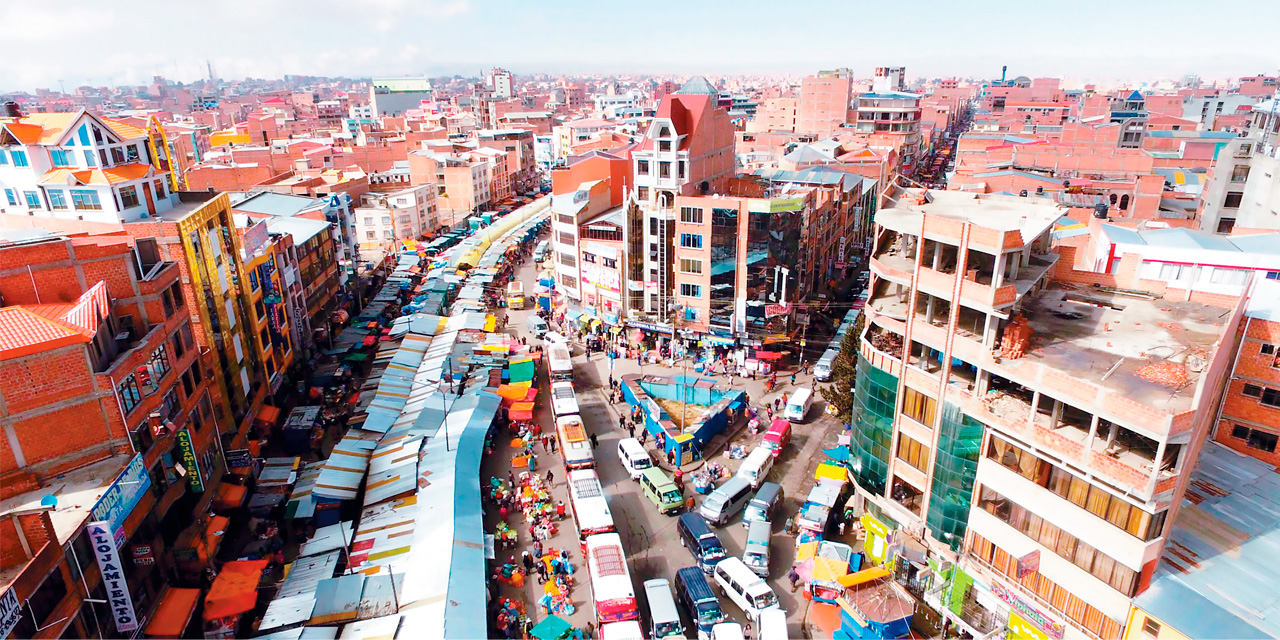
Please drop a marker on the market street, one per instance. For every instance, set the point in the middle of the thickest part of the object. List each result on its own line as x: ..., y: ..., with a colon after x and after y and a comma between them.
x: 650, y: 538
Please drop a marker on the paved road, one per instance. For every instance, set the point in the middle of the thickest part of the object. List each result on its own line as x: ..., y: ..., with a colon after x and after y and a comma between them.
x: 650, y: 538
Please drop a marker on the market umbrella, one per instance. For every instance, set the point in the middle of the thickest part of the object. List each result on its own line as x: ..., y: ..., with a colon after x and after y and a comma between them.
x: 805, y: 570
x: 552, y: 627
x: 839, y: 454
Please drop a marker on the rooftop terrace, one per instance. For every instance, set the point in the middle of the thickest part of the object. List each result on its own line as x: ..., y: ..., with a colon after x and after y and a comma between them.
x: 1106, y: 338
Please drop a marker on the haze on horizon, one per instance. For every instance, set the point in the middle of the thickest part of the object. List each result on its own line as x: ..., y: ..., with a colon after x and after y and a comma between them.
x: 1138, y: 40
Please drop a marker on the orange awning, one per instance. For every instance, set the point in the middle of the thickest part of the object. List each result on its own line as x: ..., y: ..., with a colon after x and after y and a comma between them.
x: 230, y: 496
x: 522, y: 411
x: 174, y: 612
x: 235, y: 590
x: 268, y: 414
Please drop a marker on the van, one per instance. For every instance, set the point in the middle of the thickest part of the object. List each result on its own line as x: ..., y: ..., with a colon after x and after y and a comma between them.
x: 798, y: 405
x: 728, y: 499
x: 822, y: 370
x: 541, y: 252
x: 537, y: 326
x: 699, y: 600
x: 755, y: 554
x: 634, y: 457
x: 773, y: 625
x: 777, y: 437
x: 727, y: 631
x: 744, y: 588
x: 664, y: 619
x: 661, y: 490
x: 755, y: 468
x: 625, y: 630
x: 700, y: 540
x: 764, y: 505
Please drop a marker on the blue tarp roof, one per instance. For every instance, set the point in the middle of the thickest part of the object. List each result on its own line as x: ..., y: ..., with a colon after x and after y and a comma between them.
x: 1217, y: 578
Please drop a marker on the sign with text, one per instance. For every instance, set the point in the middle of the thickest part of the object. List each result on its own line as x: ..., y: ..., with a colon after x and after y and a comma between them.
x: 239, y: 458
x: 118, y: 501
x: 1028, y: 564
x: 108, y: 554
x: 1028, y: 613
x: 10, y: 612
x: 188, y: 451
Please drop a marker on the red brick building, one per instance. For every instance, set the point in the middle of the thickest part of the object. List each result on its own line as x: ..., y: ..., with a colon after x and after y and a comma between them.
x: 99, y: 373
x: 1249, y: 420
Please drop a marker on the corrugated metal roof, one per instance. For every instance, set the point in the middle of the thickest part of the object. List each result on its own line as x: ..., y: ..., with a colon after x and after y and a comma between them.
x: 1217, y: 578
x: 338, y: 599
x: 327, y: 539
x: 346, y: 466
x: 301, y: 503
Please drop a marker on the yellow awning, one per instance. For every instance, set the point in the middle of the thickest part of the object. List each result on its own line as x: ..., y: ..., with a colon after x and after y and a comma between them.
x: 827, y: 471
x: 866, y: 575
x: 805, y: 550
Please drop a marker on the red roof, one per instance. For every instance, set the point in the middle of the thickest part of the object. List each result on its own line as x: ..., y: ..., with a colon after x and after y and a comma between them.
x: 24, y: 332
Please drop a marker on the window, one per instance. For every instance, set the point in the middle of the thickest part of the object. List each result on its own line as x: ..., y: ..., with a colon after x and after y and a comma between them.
x: 568, y: 281
x: 19, y: 158
x: 1233, y: 200
x: 89, y: 159
x: 588, y: 257
x: 609, y: 262
x: 253, y: 279
x: 61, y: 157
x: 691, y: 214
x: 568, y: 260
x: 1240, y: 173
x: 1252, y: 390
x: 128, y: 392
x: 12, y: 196
x: 664, y: 169
x: 919, y: 407
x: 642, y: 193
x: 85, y: 199
x: 691, y: 240
x: 1271, y: 397
x: 1240, y: 431
x: 132, y: 153
x: 386, y: 233
x: 33, y: 199
x: 1233, y: 277
x: 128, y: 197
x: 57, y: 199
x: 1225, y: 225
x: 913, y: 452
x: 1151, y: 627
x: 1174, y: 272
x: 688, y: 265
x: 690, y: 290
x: 642, y: 167
x: 117, y: 155
x: 160, y: 193
x: 370, y: 235
x: 4, y: 158
x: 1262, y: 441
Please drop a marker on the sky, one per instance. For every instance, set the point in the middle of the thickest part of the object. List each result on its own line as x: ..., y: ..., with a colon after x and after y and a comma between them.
x: 121, y: 42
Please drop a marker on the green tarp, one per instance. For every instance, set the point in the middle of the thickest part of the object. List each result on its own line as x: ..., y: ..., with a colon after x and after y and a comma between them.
x: 521, y: 371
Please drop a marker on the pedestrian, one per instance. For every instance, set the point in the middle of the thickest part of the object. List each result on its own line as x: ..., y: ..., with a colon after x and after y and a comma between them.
x: 553, y: 444
x: 502, y: 513
x: 537, y: 549
x: 671, y: 457
x: 643, y: 436
x: 775, y: 404
x: 595, y: 442
x: 590, y: 631
x: 542, y: 573
x: 560, y: 509
x: 528, y: 562
x: 550, y: 476
x: 545, y: 446
x: 533, y: 463
x: 688, y: 504
x: 622, y: 421
x: 794, y: 578
x: 631, y: 429
x: 793, y: 379
x: 841, y: 528
x: 511, y: 479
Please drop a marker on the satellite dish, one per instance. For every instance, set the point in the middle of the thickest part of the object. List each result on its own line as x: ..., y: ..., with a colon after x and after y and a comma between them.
x: 49, y: 500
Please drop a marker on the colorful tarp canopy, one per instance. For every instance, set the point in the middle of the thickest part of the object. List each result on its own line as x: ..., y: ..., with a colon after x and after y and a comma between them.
x: 521, y: 370
x: 552, y: 627
x: 866, y: 575
x: 522, y: 411
x: 235, y: 590
x: 515, y: 391
x: 174, y: 613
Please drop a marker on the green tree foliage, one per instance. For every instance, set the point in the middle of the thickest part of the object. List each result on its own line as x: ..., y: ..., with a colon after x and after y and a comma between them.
x: 843, y: 372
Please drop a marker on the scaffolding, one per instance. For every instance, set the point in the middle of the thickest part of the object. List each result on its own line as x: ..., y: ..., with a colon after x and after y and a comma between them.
x: 875, y: 401
x: 954, y: 469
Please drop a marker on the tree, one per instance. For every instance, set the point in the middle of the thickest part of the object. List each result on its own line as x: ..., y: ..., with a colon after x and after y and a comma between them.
x: 844, y: 372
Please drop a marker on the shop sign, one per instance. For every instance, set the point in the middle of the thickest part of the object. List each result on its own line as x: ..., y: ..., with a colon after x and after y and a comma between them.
x: 10, y: 612
x: 143, y: 554
x: 188, y: 451
x: 1028, y: 564
x: 118, y: 597
x: 123, y: 495
x: 1027, y: 613
x: 254, y: 237
x: 786, y: 204
x: 1020, y: 629
x: 239, y: 458
x: 648, y: 326
x: 775, y: 310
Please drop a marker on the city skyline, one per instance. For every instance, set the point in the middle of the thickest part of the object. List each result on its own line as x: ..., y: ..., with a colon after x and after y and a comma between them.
x: 437, y: 37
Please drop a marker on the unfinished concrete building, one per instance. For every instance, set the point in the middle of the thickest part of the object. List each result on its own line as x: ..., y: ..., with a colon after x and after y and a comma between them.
x: 1024, y: 431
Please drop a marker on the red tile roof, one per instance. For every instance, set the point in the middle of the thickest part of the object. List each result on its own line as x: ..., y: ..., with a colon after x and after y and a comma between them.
x: 23, y: 332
